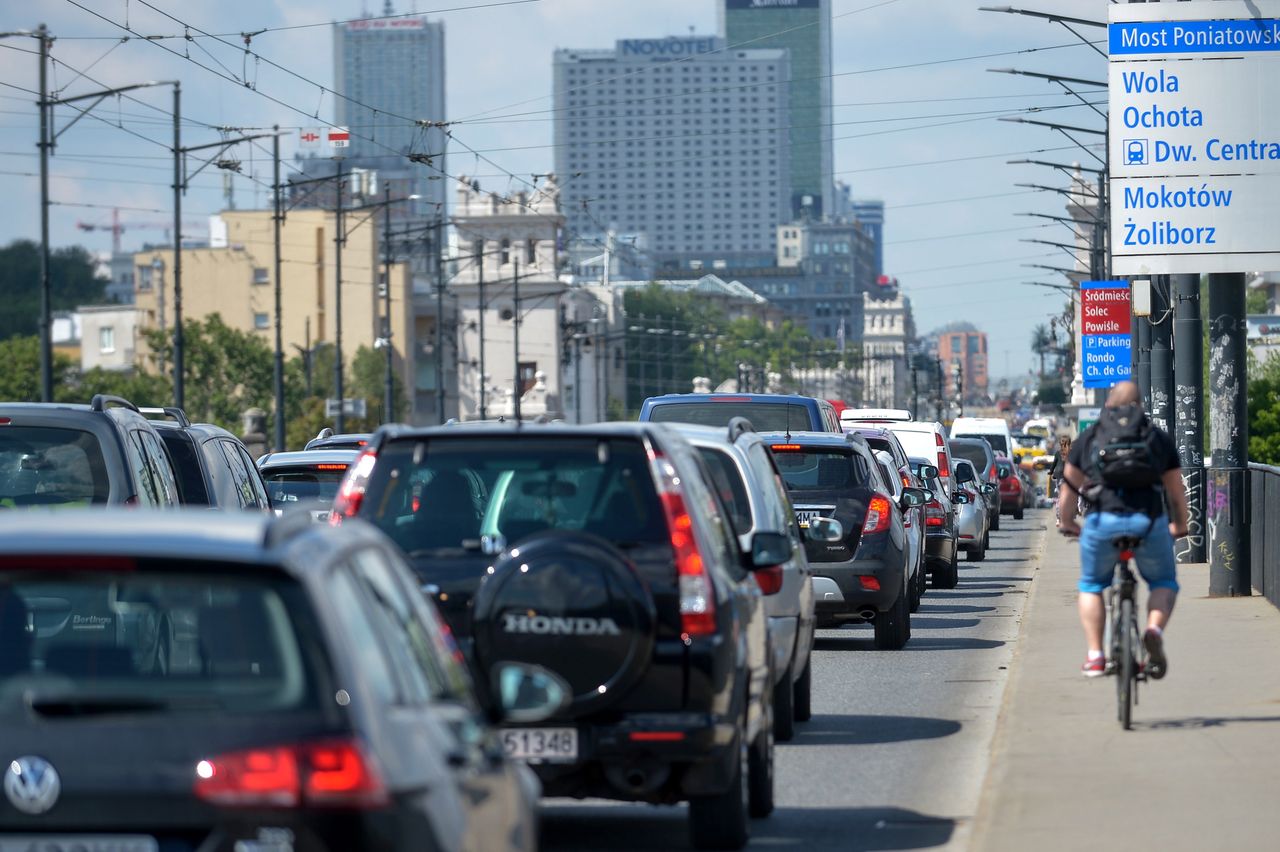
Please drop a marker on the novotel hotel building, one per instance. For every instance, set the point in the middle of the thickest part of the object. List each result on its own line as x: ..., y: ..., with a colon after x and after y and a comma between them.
x: 802, y: 27
x: 679, y: 139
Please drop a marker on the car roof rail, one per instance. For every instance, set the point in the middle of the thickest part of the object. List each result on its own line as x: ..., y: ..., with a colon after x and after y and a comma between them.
x: 175, y: 414
x: 326, y: 432
x: 739, y: 426
x: 100, y: 402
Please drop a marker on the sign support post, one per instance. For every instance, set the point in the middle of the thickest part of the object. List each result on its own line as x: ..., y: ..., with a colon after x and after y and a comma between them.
x: 1188, y: 352
x: 1160, y: 324
x: 1229, y: 540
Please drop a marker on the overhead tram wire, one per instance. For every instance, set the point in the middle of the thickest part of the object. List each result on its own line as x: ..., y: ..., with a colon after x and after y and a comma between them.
x: 265, y: 30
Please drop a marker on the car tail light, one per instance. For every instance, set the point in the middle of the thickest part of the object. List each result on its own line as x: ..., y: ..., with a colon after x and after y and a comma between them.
x: 697, y: 594
x: 877, y: 515
x: 870, y: 584
x: 769, y: 579
x: 944, y: 469
x: 934, y: 514
x: 5, y: 421
x: 132, y: 502
x: 329, y: 773
x: 993, y: 474
x: 351, y: 494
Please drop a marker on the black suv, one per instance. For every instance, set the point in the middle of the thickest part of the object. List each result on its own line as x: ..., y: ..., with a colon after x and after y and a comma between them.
x: 601, y: 554
x: 104, y: 453
x: 863, y: 577
x: 213, y: 468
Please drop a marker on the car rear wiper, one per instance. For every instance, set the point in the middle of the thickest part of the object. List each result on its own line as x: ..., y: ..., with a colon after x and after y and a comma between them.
x: 67, y: 706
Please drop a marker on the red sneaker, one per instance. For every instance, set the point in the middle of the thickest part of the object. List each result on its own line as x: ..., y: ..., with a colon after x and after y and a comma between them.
x: 1096, y: 667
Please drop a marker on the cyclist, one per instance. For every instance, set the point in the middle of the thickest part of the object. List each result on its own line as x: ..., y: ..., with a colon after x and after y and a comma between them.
x: 1139, y: 512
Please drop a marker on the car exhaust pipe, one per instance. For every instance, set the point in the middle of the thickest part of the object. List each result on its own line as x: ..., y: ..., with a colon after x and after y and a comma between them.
x: 638, y: 780
x: 868, y: 615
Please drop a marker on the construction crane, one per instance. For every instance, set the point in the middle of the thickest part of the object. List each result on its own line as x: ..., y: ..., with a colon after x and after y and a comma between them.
x: 117, y: 228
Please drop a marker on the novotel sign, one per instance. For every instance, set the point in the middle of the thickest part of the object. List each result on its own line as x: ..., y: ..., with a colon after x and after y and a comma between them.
x: 774, y: 4
x: 664, y: 47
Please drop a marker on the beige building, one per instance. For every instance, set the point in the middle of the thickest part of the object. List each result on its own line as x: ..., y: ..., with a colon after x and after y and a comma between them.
x: 109, y: 336
x: 235, y: 278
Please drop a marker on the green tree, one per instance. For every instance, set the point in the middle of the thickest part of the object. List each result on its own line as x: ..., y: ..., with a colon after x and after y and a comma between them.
x: 1052, y: 392
x: 1264, y: 411
x: 369, y: 380
x: 72, y: 283
x: 20, y: 369
x: 227, y: 371
x: 1041, y: 345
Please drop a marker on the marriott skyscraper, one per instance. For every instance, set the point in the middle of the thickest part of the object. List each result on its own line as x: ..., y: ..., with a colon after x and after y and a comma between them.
x: 803, y: 27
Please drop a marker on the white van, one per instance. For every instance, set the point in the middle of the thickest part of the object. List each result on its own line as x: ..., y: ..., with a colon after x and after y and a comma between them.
x: 993, y: 430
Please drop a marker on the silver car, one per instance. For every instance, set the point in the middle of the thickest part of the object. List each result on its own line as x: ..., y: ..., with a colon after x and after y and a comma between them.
x: 973, y: 519
x: 743, y: 472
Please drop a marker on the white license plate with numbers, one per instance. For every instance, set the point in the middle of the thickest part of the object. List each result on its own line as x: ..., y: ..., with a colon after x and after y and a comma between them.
x: 537, y: 744
x: 805, y: 516
x: 77, y: 843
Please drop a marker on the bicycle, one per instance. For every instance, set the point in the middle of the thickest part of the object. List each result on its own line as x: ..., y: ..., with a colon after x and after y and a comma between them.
x: 1126, y: 659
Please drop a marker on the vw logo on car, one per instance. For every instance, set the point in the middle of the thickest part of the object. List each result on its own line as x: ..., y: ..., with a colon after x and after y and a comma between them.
x: 31, y: 784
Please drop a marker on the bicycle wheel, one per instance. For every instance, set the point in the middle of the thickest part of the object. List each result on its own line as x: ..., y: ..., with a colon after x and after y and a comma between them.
x: 1126, y: 672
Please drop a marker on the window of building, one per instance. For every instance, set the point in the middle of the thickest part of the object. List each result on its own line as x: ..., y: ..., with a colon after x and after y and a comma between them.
x: 107, y: 339
x: 261, y: 275
x: 262, y: 322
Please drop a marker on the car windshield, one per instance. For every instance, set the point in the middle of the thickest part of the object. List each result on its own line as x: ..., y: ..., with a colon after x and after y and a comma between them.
x: 998, y: 443
x: 972, y: 453
x: 78, y: 633
x: 484, y: 493
x: 836, y: 470
x: 312, y: 483
x: 764, y: 416
x: 1029, y: 442
x: 41, y: 466
x: 1004, y: 469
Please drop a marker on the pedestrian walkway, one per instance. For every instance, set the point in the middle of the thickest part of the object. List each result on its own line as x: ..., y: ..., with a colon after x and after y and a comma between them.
x: 1200, y: 768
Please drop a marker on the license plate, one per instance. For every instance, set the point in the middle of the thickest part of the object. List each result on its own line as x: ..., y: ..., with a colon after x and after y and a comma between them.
x: 537, y: 744
x: 77, y: 843
x: 805, y: 516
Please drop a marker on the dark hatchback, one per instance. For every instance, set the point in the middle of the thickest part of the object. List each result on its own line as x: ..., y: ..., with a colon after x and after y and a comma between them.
x: 941, y: 531
x: 864, y: 577
x: 211, y: 465
x: 601, y: 554
x: 767, y: 412
x: 287, y: 688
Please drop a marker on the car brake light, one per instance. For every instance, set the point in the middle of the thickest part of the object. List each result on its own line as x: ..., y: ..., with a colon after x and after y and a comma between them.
x: 769, y: 579
x: 5, y: 421
x: 934, y: 515
x: 944, y: 469
x: 333, y: 773
x: 331, y: 467
x: 697, y: 595
x: 877, y: 515
x: 870, y: 584
x: 351, y: 493
x: 786, y: 448
x: 992, y: 473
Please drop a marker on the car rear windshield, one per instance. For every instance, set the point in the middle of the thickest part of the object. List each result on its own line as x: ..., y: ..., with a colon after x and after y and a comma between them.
x: 454, y: 493
x: 837, y: 471
x: 186, y: 466
x: 1004, y: 469
x: 310, y: 483
x: 998, y: 443
x: 83, y: 634
x: 764, y: 416
x: 973, y: 454
x: 43, y: 466
x: 918, y: 443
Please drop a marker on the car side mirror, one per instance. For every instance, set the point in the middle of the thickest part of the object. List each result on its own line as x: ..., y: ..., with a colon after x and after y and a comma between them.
x: 913, y: 498
x: 988, y: 489
x: 826, y: 530
x: 769, y: 550
x: 527, y: 693
x: 928, y: 471
x: 961, y: 498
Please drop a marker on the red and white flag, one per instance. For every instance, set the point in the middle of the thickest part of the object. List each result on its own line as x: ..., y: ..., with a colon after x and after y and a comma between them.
x: 339, y: 137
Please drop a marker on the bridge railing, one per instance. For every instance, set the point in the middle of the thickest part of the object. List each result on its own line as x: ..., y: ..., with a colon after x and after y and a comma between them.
x: 1264, y: 510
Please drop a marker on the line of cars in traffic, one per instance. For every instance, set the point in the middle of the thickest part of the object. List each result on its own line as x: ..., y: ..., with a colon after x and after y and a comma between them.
x: 492, y: 612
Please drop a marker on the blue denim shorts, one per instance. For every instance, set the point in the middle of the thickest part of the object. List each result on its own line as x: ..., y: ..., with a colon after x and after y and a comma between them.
x: 1098, y: 556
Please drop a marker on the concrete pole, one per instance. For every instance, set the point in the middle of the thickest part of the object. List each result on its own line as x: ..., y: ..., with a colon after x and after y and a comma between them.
x: 1161, y: 325
x: 179, y: 338
x: 1228, y: 491
x: 277, y: 377
x: 340, y: 422
x: 515, y: 338
x: 1188, y: 352
x: 1142, y: 360
x: 483, y: 407
x: 46, y: 295
x: 437, y: 267
x: 388, y: 379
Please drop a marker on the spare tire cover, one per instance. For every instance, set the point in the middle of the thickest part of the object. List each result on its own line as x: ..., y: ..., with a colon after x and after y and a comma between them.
x: 574, y: 604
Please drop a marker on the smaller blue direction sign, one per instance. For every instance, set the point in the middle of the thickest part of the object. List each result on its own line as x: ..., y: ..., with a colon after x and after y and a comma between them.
x: 1106, y: 359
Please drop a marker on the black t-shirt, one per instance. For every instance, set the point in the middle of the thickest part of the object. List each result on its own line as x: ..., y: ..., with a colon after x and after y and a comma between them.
x: 1146, y: 501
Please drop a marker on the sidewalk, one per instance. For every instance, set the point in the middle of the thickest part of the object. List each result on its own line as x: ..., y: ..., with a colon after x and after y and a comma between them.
x: 1200, y: 769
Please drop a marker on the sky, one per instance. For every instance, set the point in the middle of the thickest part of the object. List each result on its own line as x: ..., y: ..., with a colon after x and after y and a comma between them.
x: 912, y: 90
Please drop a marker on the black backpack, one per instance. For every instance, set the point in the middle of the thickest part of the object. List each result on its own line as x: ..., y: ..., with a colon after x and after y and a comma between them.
x: 1122, y: 456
